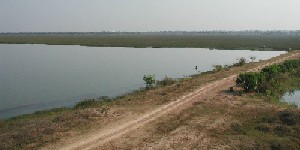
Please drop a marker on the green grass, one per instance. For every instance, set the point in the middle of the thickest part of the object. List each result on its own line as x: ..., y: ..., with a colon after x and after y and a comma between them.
x: 158, y: 41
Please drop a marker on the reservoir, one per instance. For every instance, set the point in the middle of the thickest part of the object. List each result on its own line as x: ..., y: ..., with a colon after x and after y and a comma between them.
x: 38, y: 77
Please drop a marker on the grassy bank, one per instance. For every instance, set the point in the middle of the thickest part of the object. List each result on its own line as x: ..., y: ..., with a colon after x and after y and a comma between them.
x: 263, y: 42
x: 245, y: 126
x: 41, y: 128
x: 270, y: 128
x: 227, y: 120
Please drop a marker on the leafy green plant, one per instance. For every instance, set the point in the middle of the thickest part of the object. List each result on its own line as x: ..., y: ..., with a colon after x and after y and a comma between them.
x: 249, y: 81
x: 150, y: 80
x: 290, y: 65
x: 272, y: 70
x: 269, y: 80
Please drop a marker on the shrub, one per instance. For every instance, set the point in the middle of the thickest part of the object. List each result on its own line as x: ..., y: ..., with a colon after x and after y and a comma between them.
x: 287, y: 66
x: 166, y: 81
x: 291, y: 65
x: 150, y: 80
x: 276, y: 86
x: 272, y: 70
x: 217, y: 68
x: 268, y: 81
x: 241, y: 62
x: 288, y: 118
x: 249, y: 81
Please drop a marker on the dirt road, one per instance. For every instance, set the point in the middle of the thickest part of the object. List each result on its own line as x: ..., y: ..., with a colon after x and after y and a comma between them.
x: 116, y: 130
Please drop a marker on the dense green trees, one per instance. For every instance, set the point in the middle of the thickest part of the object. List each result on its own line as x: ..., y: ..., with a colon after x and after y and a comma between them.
x: 252, y: 81
x: 249, y: 81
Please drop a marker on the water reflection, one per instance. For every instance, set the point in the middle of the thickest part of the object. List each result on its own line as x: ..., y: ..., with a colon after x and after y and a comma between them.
x: 292, y: 97
x: 37, y: 77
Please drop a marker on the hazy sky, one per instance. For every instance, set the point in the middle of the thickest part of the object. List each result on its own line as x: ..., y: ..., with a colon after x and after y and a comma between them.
x: 148, y: 15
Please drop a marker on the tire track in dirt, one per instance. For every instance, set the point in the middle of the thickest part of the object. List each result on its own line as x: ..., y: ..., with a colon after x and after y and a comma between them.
x: 113, y: 133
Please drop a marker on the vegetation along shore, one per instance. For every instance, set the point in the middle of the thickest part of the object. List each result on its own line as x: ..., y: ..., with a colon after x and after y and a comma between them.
x: 205, y: 114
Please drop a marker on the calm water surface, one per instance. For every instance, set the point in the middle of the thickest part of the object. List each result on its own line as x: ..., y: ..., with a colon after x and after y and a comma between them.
x: 39, y: 77
x: 292, y: 97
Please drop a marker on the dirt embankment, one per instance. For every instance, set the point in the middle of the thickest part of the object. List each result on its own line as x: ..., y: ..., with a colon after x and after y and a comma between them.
x: 192, y: 113
x: 190, y: 121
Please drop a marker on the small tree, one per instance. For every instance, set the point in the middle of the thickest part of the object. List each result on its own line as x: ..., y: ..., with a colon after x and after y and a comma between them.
x: 150, y: 80
x: 272, y: 70
x: 249, y: 81
x: 242, y: 61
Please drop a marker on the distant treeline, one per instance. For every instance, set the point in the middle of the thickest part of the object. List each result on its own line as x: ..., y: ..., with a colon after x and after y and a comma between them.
x: 229, y: 40
x: 215, y: 32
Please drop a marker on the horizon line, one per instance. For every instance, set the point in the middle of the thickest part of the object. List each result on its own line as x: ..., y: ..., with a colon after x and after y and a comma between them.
x: 112, y: 31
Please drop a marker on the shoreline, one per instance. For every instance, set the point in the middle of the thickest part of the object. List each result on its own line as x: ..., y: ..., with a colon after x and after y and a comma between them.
x: 128, y: 91
x: 109, y: 46
x: 111, y: 134
x: 71, y: 106
x: 49, y: 127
